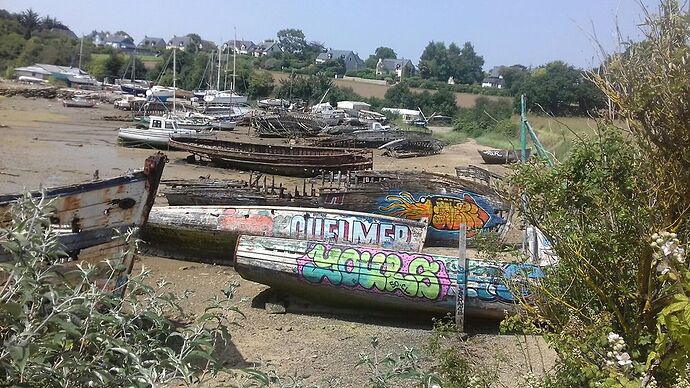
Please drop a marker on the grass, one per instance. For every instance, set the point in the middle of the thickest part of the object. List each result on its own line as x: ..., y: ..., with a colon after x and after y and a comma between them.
x: 451, y: 137
x: 557, y: 134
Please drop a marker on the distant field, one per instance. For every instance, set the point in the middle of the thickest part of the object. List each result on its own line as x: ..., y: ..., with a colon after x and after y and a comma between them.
x: 557, y: 134
x: 364, y: 89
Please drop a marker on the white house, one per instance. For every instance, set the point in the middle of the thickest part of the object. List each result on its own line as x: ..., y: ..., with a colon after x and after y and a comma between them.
x: 352, y: 61
x: 493, y: 82
x: 353, y: 105
x: 407, y: 115
x: 266, y: 47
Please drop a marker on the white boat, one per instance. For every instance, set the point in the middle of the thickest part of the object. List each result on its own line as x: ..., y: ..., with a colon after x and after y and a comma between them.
x: 224, y: 97
x: 78, y: 102
x: 273, y: 103
x: 127, y: 101
x: 82, y: 80
x: 159, y: 132
x: 31, y: 80
x: 160, y: 93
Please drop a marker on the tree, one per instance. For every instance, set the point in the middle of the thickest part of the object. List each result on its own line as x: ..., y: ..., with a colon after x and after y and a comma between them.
x: 560, y: 89
x: 467, y: 66
x: 514, y: 76
x: 30, y: 21
x: 292, y: 41
x: 380, y: 53
x: 260, y: 84
x: 440, y: 63
x: 113, y: 65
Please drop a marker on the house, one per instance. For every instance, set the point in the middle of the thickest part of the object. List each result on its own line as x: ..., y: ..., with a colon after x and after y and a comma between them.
x: 494, y: 82
x: 178, y: 42
x: 397, y: 66
x: 243, y: 47
x: 98, y: 38
x: 266, y: 47
x: 408, y: 116
x: 151, y: 43
x: 352, y: 61
x: 33, y: 72
x: 121, y: 42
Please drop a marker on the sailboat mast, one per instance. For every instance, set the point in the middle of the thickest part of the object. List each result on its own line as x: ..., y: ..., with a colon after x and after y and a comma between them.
x: 174, y: 75
x: 234, y: 57
x: 218, y: 77
x: 81, y: 49
x: 225, y: 70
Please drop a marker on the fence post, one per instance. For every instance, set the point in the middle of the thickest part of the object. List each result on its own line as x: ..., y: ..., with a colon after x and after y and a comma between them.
x: 461, y: 280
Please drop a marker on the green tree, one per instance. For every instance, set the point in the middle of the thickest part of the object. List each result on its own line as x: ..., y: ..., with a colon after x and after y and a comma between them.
x: 514, y: 76
x: 292, y: 41
x: 260, y: 84
x: 380, y: 53
x: 467, y: 65
x: 30, y: 22
x: 113, y: 65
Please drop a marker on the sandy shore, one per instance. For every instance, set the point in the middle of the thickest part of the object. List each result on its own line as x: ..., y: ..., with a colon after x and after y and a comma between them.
x: 46, y: 144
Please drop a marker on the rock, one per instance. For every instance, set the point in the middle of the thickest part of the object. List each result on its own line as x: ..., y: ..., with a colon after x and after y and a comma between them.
x: 275, y: 308
x: 289, y: 328
x: 186, y: 267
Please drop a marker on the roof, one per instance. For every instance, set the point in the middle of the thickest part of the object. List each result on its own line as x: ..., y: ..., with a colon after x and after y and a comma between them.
x: 494, y: 80
x: 353, y: 105
x: 495, y: 72
x: 335, y: 54
x: 33, y: 69
x: 179, y: 41
x: 246, y: 43
x: 117, y: 38
x: 265, y: 45
x: 151, y: 41
x: 392, y: 64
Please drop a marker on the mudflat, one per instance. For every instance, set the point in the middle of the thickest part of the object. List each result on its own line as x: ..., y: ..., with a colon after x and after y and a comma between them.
x: 46, y: 144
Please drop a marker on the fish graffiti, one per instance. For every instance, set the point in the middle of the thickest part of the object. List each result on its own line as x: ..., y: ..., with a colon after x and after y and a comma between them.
x: 445, y: 212
x: 410, y: 275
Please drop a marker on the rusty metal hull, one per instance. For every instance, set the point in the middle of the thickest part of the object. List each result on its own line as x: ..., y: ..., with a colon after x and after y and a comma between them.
x: 209, y: 233
x: 276, y: 159
x: 351, y: 275
x: 88, y: 215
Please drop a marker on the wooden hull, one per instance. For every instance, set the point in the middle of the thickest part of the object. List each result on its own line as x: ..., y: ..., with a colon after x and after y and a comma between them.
x: 275, y: 159
x: 501, y: 156
x: 210, y: 232
x: 377, y: 278
x: 88, y: 215
x: 78, y: 104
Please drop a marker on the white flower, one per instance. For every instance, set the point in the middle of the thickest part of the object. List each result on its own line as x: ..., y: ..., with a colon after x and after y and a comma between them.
x: 613, y: 337
x: 609, y: 354
x: 623, y: 359
x: 663, y: 267
x: 618, y: 347
x: 668, y: 248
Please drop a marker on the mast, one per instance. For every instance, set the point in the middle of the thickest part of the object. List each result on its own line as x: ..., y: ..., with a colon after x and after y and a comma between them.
x: 225, y: 71
x: 218, y: 77
x: 81, y: 48
x: 134, y: 67
x: 234, y: 57
x: 174, y: 75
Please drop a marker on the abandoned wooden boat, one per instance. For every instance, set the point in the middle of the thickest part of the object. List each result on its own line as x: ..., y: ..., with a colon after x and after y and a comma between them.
x: 357, y: 276
x: 446, y: 201
x: 287, y: 125
x: 87, y: 216
x: 211, y: 232
x: 502, y: 156
x: 412, y: 148
x: 276, y: 159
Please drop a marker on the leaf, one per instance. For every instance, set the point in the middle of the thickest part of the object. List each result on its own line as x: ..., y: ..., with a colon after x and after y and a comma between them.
x: 11, y: 308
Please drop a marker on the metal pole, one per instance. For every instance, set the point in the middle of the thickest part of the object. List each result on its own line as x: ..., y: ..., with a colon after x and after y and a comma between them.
x: 461, y: 280
x: 523, y: 129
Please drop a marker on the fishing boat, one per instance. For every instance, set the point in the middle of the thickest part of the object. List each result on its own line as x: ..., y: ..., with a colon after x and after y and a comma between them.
x: 272, y: 103
x: 223, y: 97
x: 78, y: 102
x: 276, y: 159
x: 160, y: 93
x: 211, y: 232
x: 357, y: 276
x: 159, y: 133
x: 88, y: 216
x: 502, y: 156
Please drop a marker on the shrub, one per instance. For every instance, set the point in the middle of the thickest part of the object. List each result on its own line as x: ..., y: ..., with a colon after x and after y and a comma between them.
x: 65, y: 324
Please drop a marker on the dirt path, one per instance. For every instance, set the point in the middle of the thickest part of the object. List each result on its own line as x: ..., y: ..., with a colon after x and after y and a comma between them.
x: 47, y: 144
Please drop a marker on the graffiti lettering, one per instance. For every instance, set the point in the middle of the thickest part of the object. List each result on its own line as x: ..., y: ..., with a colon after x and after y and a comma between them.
x: 410, y: 275
x: 352, y: 230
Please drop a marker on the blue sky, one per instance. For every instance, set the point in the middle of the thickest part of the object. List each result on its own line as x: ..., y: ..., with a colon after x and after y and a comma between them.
x: 504, y: 32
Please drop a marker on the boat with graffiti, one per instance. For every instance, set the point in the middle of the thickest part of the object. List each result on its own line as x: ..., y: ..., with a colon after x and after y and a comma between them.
x: 446, y: 201
x: 502, y: 156
x: 276, y: 159
x: 211, y: 232
x: 351, y: 275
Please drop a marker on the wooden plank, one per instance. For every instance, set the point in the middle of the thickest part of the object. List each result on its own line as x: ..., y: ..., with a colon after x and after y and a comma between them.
x: 375, y: 277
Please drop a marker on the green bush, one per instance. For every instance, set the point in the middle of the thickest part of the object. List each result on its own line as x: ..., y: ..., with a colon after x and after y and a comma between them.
x: 66, y: 325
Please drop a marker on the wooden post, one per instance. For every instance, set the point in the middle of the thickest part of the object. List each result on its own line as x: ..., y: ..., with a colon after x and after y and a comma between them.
x: 461, y: 277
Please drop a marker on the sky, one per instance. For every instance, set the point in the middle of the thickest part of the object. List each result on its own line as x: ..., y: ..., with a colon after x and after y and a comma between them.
x: 504, y: 32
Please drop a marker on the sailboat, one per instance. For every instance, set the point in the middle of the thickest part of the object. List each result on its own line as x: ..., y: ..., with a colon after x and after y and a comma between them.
x: 225, y: 97
x: 77, y: 77
x: 162, y: 128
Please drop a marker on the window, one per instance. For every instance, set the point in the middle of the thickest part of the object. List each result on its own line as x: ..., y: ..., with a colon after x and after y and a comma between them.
x: 156, y: 124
